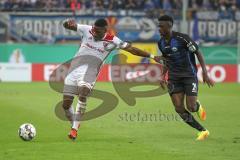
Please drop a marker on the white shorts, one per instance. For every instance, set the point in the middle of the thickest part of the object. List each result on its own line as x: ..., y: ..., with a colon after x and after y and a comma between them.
x: 78, y: 77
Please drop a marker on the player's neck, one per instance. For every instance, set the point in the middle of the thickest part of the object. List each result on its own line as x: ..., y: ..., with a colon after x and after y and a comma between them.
x: 168, y: 36
x: 100, y: 39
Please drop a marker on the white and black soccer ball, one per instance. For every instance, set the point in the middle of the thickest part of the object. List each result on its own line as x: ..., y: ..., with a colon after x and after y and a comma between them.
x: 27, y: 132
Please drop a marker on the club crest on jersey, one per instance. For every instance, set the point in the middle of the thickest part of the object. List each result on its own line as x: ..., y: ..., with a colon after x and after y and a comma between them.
x: 174, y: 49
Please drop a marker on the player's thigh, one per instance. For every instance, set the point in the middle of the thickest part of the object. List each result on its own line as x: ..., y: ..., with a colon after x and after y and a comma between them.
x: 175, y: 86
x: 191, y: 86
x: 178, y: 101
x: 191, y: 91
x: 70, y: 86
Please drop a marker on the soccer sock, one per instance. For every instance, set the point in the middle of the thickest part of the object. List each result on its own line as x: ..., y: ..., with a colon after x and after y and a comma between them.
x: 190, y: 120
x: 69, y: 113
x: 77, y: 117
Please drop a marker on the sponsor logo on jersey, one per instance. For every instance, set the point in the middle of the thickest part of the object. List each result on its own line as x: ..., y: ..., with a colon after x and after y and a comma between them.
x: 174, y: 49
x: 94, y: 48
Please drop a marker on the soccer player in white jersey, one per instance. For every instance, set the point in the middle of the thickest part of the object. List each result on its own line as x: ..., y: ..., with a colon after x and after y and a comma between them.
x: 96, y: 45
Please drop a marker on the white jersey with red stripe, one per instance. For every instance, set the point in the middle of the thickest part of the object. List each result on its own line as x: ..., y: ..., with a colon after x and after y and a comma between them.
x: 99, y: 49
x: 87, y: 62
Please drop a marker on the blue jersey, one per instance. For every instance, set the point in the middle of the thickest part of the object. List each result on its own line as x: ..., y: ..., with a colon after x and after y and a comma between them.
x: 179, y: 52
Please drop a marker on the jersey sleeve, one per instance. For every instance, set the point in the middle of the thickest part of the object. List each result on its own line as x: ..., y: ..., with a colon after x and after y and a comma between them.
x: 190, y: 44
x: 81, y: 28
x: 119, y: 43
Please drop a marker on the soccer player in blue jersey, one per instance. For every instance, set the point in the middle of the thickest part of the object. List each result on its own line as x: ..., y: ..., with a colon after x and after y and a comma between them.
x: 180, y: 50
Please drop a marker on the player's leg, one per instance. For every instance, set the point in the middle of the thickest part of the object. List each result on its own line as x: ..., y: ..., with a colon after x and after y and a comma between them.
x: 191, y: 90
x: 193, y: 105
x: 191, y: 102
x: 84, y: 89
x: 178, y: 102
x: 67, y: 107
x: 177, y: 92
x: 69, y: 91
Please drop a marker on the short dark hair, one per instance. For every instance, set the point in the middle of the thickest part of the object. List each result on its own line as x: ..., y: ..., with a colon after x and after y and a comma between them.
x: 101, y: 23
x: 166, y: 18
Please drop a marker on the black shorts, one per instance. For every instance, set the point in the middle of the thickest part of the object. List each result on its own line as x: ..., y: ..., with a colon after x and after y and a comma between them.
x: 187, y: 85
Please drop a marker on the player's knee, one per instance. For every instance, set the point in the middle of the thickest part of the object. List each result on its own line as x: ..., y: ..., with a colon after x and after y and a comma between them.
x: 67, y: 101
x: 84, y: 91
x: 82, y: 99
x: 192, y: 107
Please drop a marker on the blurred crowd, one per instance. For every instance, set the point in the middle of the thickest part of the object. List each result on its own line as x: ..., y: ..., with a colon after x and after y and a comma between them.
x: 54, y: 5
x: 214, y: 4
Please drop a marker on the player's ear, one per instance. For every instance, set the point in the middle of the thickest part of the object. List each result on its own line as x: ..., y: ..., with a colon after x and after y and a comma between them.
x: 170, y: 24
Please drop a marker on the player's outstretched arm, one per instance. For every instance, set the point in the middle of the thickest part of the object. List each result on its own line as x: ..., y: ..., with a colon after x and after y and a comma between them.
x: 70, y: 24
x: 163, y: 81
x: 206, y: 78
x: 141, y: 53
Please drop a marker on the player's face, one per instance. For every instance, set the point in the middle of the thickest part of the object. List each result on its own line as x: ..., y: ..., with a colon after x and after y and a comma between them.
x: 164, y: 28
x: 98, y: 32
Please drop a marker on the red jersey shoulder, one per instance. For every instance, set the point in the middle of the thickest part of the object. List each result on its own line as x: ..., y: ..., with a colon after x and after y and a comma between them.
x: 108, y: 37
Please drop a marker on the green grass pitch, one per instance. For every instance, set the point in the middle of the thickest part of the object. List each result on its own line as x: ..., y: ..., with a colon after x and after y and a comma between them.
x: 114, y: 136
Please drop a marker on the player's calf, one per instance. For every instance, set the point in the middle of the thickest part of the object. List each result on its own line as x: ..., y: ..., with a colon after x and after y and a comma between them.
x: 67, y: 101
x: 84, y: 91
x: 68, y: 108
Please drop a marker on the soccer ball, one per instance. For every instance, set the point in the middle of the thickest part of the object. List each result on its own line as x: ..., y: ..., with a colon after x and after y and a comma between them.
x: 27, y: 132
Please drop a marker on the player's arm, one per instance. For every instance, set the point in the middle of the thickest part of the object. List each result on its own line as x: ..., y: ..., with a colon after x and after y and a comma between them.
x: 206, y: 78
x: 164, y: 70
x: 138, y: 52
x: 70, y: 24
x: 163, y: 81
x: 193, y: 47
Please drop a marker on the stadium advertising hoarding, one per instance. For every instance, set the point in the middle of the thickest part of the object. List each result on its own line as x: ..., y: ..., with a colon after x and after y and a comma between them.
x: 117, y: 73
x: 238, y: 73
x: 126, y: 58
x: 11, y: 72
x: 42, y: 73
x: 224, y: 31
x: 136, y: 73
x: 134, y: 28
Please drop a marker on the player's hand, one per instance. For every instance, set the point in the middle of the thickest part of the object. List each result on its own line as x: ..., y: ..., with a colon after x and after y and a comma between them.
x: 159, y: 58
x: 163, y: 82
x: 70, y: 23
x: 206, y: 79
